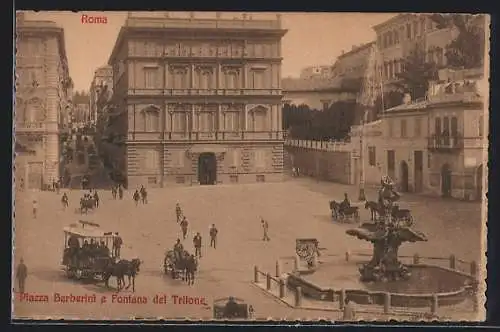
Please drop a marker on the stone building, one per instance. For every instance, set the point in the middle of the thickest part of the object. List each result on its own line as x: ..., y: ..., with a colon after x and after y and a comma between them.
x: 316, y: 71
x: 198, y: 100
x: 81, y: 108
x: 354, y: 63
x: 103, y: 77
x: 436, y: 145
x: 42, y: 87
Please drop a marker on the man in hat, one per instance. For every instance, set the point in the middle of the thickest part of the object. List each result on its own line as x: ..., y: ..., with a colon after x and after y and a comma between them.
x: 117, y: 244
x: 21, y: 275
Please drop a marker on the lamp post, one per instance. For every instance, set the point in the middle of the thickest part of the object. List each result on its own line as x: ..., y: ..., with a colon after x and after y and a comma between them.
x: 362, y: 196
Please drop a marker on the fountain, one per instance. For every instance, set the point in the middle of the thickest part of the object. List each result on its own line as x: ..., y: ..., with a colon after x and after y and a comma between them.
x: 387, y: 235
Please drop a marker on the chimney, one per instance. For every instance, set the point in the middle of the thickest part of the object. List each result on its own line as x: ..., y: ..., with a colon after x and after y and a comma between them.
x: 407, y: 99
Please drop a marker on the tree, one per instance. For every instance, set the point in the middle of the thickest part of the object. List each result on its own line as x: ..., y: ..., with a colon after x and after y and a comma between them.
x: 391, y: 99
x: 416, y: 74
x: 467, y: 50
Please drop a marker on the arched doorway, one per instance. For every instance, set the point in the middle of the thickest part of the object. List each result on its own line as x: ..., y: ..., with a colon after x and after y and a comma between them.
x: 446, y: 180
x: 404, y: 176
x: 479, y: 182
x: 207, y: 168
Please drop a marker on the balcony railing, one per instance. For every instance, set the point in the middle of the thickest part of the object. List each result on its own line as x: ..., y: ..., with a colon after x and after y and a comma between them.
x: 206, y: 136
x: 206, y: 92
x: 445, y: 143
x: 29, y: 126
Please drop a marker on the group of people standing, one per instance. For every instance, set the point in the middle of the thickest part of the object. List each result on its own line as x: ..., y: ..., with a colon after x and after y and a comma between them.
x: 140, y: 195
x: 197, y: 239
x: 117, y: 189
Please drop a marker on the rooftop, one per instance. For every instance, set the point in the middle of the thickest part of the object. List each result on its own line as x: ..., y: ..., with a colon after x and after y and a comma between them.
x: 318, y: 84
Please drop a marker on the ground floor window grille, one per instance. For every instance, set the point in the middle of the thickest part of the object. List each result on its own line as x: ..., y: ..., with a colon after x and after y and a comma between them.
x: 261, y: 178
x: 152, y: 180
x: 233, y: 179
x: 180, y: 179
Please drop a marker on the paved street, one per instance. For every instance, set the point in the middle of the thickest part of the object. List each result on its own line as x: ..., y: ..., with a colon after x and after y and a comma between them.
x: 295, y: 208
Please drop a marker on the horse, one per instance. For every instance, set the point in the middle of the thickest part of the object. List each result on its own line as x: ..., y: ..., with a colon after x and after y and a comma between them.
x: 335, y: 208
x: 374, y: 209
x: 130, y: 269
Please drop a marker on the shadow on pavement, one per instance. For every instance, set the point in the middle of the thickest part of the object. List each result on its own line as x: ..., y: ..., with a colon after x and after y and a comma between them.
x: 56, y: 276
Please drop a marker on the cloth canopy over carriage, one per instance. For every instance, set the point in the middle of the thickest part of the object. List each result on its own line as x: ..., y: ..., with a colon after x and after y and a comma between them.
x: 86, y: 251
x: 175, y: 263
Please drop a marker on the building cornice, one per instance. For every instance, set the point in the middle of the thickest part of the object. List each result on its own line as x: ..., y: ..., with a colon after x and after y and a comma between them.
x: 396, y: 19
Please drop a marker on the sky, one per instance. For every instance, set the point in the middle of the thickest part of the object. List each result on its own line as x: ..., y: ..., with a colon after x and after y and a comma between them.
x: 312, y: 38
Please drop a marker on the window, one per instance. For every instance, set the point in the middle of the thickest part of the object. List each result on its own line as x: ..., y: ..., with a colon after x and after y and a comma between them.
x: 428, y: 160
x: 396, y: 37
x: 326, y: 105
x: 232, y: 80
x: 440, y: 56
x: 151, y: 120
x: 372, y: 160
x: 179, y: 161
x: 180, y: 78
x: 481, y: 126
x: 260, y: 158
x: 379, y: 42
x: 232, y: 121
x: 152, y: 160
x: 235, y: 162
x: 418, y: 127
x: 205, y: 78
x: 233, y: 178
x: 152, y: 180
x: 257, y: 79
x: 207, y: 123
x: 180, y: 121
x: 437, y: 126
x: 415, y: 29
x: 403, y: 128
x: 258, y: 119
x: 408, y: 31
x: 390, y: 128
x: 260, y: 178
x: 454, y: 126
x: 151, y: 78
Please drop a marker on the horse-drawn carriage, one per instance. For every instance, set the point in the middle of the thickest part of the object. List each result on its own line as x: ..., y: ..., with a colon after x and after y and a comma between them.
x: 87, y: 203
x: 232, y: 308
x: 343, y: 212
x: 86, y: 251
x: 180, y: 263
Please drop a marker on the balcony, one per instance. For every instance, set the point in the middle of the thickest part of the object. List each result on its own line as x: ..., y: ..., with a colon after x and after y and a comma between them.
x: 25, y: 127
x: 206, y: 136
x: 444, y: 143
x: 205, y: 92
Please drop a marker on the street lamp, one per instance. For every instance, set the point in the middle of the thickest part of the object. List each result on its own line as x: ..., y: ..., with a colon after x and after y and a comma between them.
x: 362, y: 196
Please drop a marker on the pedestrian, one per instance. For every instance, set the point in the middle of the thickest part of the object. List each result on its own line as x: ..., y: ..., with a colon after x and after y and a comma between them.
x: 197, y: 245
x: 184, y: 227
x: 113, y: 191
x: 35, y: 208
x: 117, y: 244
x: 136, y: 197
x: 178, y: 212
x: 265, y: 228
x: 65, y: 201
x: 96, y: 199
x: 349, y: 313
x: 213, y: 236
x: 21, y: 275
x: 120, y: 191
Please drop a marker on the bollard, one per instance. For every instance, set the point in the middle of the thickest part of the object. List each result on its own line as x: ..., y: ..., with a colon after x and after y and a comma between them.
x: 416, y: 259
x: 278, y: 272
x: 256, y: 274
x: 434, y: 304
x: 342, y: 298
x: 387, y: 302
x: 282, y: 288
x: 473, y: 268
x: 268, y: 281
x: 296, y: 263
x: 453, y: 262
x: 298, y: 296
x: 347, y: 256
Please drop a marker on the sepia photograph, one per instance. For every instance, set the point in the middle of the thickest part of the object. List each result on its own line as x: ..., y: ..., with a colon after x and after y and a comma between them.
x: 218, y: 166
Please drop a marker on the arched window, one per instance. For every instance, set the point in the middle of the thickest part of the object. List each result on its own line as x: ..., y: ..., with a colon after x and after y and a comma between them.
x: 151, y: 116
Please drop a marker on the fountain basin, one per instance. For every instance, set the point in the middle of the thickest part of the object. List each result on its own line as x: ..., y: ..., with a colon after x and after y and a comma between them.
x: 451, y: 287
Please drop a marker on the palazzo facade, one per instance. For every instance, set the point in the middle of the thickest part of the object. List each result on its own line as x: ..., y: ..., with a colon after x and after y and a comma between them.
x: 197, y: 101
x: 43, y: 89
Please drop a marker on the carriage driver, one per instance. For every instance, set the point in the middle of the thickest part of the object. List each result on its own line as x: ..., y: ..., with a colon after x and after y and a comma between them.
x: 178, y: 249
x: 346, y: 203
x: 74, y: 246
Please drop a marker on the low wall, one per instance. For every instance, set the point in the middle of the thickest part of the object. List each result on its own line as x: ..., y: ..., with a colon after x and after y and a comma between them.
x: 322, y: 164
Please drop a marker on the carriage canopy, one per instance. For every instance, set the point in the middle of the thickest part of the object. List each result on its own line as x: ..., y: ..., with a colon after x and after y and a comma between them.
x: 87, y: 230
